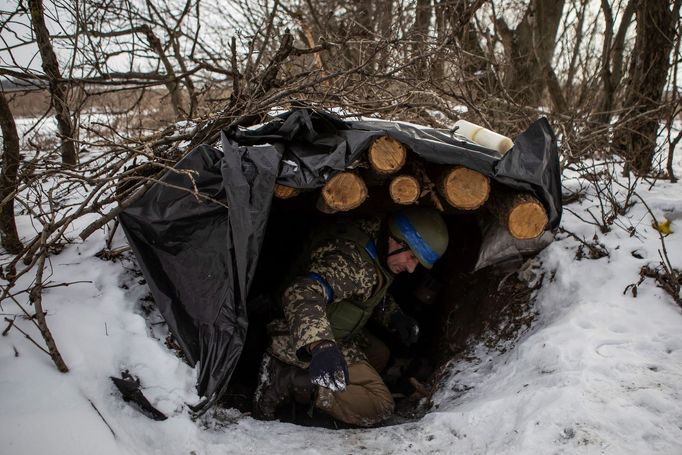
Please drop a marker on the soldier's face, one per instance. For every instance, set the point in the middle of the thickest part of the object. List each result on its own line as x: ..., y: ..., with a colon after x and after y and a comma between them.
x: 401, y: 262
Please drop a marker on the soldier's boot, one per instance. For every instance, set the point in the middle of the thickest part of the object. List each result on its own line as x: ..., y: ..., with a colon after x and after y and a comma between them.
x: 279, y: 384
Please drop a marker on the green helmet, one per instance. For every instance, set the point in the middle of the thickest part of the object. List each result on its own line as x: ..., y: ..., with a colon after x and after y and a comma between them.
x: 423, y: 230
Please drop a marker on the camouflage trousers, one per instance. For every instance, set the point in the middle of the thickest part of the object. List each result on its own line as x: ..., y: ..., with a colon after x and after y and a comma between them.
x: 366, y: 401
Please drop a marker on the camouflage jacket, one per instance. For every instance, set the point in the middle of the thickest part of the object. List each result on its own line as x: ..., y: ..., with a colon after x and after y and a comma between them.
x: 349, y: 275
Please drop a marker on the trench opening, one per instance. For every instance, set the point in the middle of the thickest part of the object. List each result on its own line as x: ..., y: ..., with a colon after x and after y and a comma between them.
x: 453, y: 306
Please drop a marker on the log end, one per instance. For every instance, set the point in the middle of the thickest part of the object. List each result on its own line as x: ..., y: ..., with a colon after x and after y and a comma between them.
x: 404, y: 189
x: 527, y: 220
x: 344, y: 191
x: 285, y: 192
x: 465, y: 189
x: 387, y: 155
x: 322, y: 206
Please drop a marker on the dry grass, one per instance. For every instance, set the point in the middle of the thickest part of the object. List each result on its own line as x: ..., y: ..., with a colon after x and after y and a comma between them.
x: 28, y: 103
x: 137, y: 109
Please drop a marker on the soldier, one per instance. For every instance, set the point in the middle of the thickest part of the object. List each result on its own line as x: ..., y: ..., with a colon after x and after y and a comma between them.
x: 320, y: 352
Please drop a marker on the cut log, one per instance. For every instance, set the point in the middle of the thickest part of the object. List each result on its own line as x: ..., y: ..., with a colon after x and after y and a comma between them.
x: 285, y: 192
x: 386, y: 155
x: 323, y: 207
x: 464, y: 188
x: 428, y: 187
x: 345, y: 191
x: 522, y: 214
x: 404, y: 189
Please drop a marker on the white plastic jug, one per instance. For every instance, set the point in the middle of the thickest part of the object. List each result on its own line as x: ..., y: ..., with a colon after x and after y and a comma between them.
x: 483, y: 136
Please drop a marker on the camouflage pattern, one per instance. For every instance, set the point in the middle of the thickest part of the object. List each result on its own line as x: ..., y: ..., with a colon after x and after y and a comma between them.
x: 350, y: 276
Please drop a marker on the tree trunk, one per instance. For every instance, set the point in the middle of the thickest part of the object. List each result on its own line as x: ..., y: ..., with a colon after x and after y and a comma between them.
x: 456, y: 21
x: 191, y: 91
x: 635, y: 138
x: 171, y: 79
x: 581, y: 12
x: 419, y: 35
x: 529, y: 50
x: 676, y: 106
x: 384, y: 15
x: 612, y: 59
x: 8, y: 178
x: 358, y: 27
x: 58, y: 90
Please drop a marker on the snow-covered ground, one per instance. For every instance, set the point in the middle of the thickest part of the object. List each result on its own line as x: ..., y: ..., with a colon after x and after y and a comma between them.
x: 600, y: 371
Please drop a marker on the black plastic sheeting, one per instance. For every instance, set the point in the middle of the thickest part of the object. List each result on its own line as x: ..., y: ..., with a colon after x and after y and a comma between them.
x: 199, y: 254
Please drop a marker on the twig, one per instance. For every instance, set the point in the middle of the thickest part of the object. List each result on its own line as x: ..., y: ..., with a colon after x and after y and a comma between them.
x: 29, y: 337
x: 47, y: 286
x: 102, y: 417
x: 110, y: 239
x: 90, y: 229
x: 10, y: 323
x: 597, y: 250
x: 671, y: 279
x: 660, y: 234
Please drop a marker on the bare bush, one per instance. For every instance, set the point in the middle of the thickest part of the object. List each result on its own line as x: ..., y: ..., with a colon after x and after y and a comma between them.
x: 144, y: 82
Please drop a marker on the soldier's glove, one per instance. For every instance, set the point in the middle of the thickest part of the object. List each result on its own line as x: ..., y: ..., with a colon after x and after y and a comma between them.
x: 407, y: 328
x: 328, y: 368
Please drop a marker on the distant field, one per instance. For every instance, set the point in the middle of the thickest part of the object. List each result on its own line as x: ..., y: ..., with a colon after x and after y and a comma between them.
x: 151, y: 106
x: 28, y: 104
x: 36, y: 102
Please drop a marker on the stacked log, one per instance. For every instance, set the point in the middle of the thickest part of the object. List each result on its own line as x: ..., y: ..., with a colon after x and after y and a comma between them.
x: 446, y: 188
x: 404, y: 189
x: 285, y: 192
x: 386, y: 155
x: 343, y: 192
x: 522, y: 214
x: 464, y: 188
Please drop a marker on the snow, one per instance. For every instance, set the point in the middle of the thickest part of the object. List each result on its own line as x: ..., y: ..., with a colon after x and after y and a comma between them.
x: 599, y: 371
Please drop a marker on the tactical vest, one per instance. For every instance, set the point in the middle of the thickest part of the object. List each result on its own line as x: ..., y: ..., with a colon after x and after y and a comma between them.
x: 348, y: 317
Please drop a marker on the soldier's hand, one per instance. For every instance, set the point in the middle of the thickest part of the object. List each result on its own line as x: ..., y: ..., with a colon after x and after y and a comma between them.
x: 406, y: 327
x: 328, y: 368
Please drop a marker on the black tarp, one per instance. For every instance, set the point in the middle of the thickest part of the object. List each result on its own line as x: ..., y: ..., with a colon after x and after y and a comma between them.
x: 199, y: 253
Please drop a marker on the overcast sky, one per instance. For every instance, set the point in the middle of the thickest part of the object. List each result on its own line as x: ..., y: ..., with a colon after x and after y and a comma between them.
x: 19, y: 28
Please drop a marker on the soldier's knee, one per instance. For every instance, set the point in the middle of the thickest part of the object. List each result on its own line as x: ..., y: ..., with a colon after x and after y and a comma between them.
x: 365, y: 402
x: 385, y: 405
x: 375, y: 408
